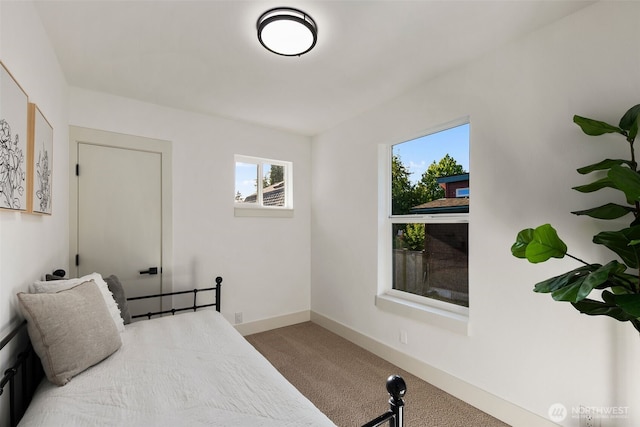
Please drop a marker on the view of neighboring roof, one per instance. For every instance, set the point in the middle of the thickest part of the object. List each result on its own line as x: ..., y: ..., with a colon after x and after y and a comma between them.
x: 272, y: 195
x: 447, y: 204
x: 453, y: 178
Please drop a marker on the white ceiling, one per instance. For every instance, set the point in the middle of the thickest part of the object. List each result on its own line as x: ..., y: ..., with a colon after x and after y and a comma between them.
x: 204, y: 56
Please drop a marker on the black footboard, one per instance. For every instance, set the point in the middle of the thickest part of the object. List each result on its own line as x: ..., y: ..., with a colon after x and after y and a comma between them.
x: 193, y: 307
x: 395, y: 415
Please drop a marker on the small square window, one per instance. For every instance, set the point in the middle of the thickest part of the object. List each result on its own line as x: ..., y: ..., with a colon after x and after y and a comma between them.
x: 263, y: 183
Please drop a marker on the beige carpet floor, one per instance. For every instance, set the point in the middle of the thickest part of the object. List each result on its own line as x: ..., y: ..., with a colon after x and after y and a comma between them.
x: 347, y: 383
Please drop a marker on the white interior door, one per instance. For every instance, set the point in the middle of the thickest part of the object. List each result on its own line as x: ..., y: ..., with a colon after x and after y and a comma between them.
x: 120, y: 217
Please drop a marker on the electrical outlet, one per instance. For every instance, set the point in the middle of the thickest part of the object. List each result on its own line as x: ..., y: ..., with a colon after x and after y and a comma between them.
x: 589, y: 419
x: 403, y: 337
x: 239, y: 317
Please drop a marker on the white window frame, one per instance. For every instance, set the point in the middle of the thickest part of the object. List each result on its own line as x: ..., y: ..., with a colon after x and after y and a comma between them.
x: 442, y: 314
x: 258, y: 209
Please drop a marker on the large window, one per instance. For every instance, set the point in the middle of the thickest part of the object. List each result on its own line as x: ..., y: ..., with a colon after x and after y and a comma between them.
x: 429, y: 218
x: 262, y: 184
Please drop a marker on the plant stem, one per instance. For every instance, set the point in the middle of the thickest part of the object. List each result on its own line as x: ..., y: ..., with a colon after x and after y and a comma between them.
x: 577, y: 259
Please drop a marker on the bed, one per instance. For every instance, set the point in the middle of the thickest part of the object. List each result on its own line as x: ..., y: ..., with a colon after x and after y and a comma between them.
x: 192, y: 368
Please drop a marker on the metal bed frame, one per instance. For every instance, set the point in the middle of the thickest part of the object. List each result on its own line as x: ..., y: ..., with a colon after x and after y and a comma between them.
x: 395, y: 415
x: 194, y: 307
x: 26, y: 373
x: 28, y: 367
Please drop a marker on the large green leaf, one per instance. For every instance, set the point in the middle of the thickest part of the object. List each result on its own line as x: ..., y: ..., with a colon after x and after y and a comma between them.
x: 524, y: 237
x: 545, y: 244
x: 624, y: 283
x: 630, y: 117
x: 571, y: 293
x: 596, y: 185
x: 603, y: 165
x: 566, y: 279
x: 630, y: 303
x: 598, y: 308
x: 595, y: 127
x: 608, y: 211
x: 604, y: 273
x: 620, y: 243
x: 586, y: 280
x: 626, y: 180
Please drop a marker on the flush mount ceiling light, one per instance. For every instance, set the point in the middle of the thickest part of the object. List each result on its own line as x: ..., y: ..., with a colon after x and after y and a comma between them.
x: 287, y: 31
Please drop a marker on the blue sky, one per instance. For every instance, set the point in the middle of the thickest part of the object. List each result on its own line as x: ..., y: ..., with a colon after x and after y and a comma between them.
x: 417, y: 154
x: 246, y: 174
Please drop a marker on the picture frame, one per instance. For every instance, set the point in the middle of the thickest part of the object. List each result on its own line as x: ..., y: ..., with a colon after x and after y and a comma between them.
x: 13, y: 143
x: 40, y: 162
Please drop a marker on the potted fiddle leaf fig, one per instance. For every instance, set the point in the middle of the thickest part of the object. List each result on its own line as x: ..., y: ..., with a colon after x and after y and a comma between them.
x: 614, y: 286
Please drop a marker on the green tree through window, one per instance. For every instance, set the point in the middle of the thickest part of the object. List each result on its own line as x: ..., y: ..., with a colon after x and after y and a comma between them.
x: 428, y: 189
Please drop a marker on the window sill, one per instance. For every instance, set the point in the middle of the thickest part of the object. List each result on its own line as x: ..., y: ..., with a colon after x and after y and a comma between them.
x: 263, y: 212
x: 454, y: 322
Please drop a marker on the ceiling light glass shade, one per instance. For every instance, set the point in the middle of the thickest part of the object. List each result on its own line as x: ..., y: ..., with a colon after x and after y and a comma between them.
x: 287, y: 31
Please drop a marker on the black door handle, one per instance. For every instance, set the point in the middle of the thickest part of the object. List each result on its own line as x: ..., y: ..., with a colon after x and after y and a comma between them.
x: 152, y: 270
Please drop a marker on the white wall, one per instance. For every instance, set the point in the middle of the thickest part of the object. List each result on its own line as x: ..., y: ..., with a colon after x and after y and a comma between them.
x: 32, y: 245
x: 265, y: 262
x: 261, y: 259
x: 523, y: 347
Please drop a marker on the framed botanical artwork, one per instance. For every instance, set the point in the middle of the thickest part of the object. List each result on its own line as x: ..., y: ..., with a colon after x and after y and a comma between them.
x: 13, y: 143
x: 40, y: 161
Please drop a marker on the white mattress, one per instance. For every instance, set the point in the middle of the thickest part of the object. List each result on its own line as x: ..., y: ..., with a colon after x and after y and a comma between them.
x: 191, y: 369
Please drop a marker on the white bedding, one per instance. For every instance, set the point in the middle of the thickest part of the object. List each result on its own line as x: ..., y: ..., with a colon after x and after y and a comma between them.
x: 191, y: 369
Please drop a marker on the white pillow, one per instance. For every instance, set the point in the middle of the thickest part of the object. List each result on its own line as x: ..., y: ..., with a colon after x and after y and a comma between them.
x: 52, y: 286
x: 70, y: 330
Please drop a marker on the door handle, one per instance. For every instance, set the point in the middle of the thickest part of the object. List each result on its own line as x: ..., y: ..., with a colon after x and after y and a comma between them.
x: 152, y: 270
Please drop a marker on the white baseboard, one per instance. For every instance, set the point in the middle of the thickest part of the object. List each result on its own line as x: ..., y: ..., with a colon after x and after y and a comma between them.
x: 273, y: 323
x: 475, y: 396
